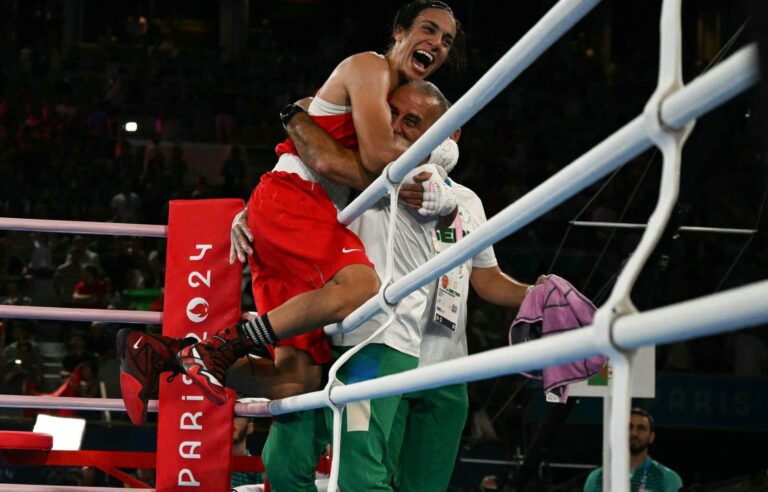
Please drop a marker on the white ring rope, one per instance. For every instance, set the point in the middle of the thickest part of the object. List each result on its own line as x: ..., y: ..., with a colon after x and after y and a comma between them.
x: 82, y: 314
x: 630, y: 225
x: 251, y: 408
x: 63, y: 488
x: 708, y: 315
x: 83, y: 227
x: 88, y: 314
x: 725, y: 311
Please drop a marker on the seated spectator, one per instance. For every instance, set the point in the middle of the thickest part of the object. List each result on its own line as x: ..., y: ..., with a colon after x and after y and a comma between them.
x: 67, y: 276
x: 22, y: 335
x: 78, y: 353
x: 88, y: 257
x: 101, y: 338
x: 40, y: 263
x: 126, y: 204
x: 14, y: 295
x: 243, y: 427
x: 92, y: 291
x: 87, y: 384
x: 21, y: 374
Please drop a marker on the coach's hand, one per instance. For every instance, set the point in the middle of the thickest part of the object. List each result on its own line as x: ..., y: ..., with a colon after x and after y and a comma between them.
x: 240, y: 238
x: 439, y: 198
x: 424, y: 189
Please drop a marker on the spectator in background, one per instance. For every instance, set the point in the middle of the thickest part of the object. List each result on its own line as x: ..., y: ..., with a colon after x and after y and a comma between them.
x: 646, y: 474
x: 88, y: 257
x: 126, y: 204
x: 153, y: 162
x: 14, y: 296
x: 22, y: 365
x: 201, y: 190
x: 92, y: 291
x: 21, y: 374
x: 233, y: 172
x: 119, y: 264
x: 87, y: 384
x: 77, y: 354
x: 40, y: 263
x: 176, y: 170
x: 139, y: 262
x: 243, y: 427
x: 67, y: 276
x: 156, y: 274
x: 101, y: 338
x: 22, y: 334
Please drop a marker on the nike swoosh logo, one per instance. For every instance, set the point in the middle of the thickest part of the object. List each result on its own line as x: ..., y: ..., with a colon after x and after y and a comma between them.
x: 136, y: 345
x: 345, y: 250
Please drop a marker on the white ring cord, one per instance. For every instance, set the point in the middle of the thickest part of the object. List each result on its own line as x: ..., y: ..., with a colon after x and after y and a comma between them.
x: 83, y: 227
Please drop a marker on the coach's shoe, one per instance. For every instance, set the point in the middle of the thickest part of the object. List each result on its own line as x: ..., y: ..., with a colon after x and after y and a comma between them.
x: 206, y: 362
x: 143, y: 357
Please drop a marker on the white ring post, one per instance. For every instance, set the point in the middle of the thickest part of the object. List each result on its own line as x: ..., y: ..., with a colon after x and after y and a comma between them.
x: 670, y: 141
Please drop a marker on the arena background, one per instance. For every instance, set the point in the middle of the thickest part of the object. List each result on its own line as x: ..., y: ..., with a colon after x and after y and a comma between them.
x: 201, y: 76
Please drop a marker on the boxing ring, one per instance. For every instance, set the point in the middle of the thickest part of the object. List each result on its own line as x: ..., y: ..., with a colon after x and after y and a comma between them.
x: 618, y: 327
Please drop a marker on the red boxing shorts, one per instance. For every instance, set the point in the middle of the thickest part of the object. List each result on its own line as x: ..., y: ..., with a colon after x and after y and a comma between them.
x: 299, y: 245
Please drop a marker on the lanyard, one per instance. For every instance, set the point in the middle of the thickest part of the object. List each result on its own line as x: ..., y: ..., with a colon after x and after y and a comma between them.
x: 646, y: 469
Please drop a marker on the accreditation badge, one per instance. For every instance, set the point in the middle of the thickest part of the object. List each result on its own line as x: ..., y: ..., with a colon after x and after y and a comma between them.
x: 451, y: 285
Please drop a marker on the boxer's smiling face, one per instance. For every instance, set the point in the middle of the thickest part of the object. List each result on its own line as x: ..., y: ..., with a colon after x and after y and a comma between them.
x: 421, y: 49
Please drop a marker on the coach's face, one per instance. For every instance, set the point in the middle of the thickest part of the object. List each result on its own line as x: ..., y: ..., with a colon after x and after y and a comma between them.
x: 413, y: 112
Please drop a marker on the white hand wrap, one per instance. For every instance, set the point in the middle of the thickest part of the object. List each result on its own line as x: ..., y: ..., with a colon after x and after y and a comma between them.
x: 445, y: 155
x: 439, y: 198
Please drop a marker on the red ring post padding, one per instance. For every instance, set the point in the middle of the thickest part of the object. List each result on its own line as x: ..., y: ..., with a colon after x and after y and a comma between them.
x: 34, y: 441
x: 202, y: 296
